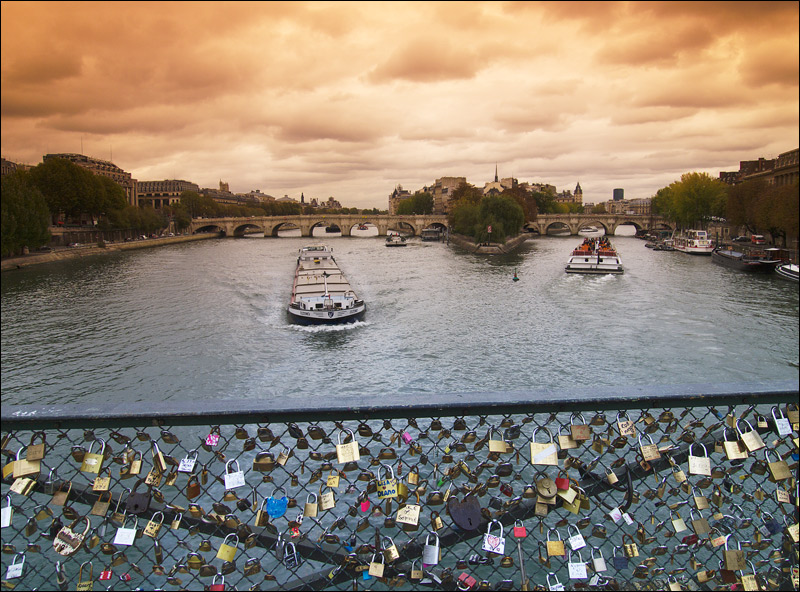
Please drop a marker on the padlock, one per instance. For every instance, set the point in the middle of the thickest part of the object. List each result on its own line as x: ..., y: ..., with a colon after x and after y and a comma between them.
x: 7, y: 513
x: 751, y: 439
x: 493, y: 543
x: 376, y: 568
x: 327, y: 501
x: 562, y: 482
x: 520, y: 531
x: 387, y: 486
x: 678, y: 523
x: 138, y: 502
x: 226, y: 551
x: 782, y: 424
x: 217, y: 586
x: 16, y: 567
x: 778, y: 470
x: 700, y: 525
x: 68, y: 540
x: 579, y: 431
x: 631, y: 549
x: 543, y: 453
x: 649, y: 451
x: 100, y: 506
x: 431, y: 552
x: 188, y: 462
x: 555, y: 548
x: 25, y: 468
x: 554, y: 585
x: 348, y: 452
x: 127, y: 536
x: 466, y: 582
x: 277, y: 506
x: 36, y: 452
x: 598, y: 563
x: 577, y: 570
x: 415, y: 573
x: 575, y: 541
x: 699, y: 465
x: 625, y: 426
x: 734, y: 559
x: 436, y: 521
x: 290, y: 557
x: 93, y: 462
x: 85, y: 584
x: 233, y: 479
x: 311, y: 506
x: 565, y: 442
x: 390, y: 552
x: 495, y: 445
x: 619, y: 559
x: 153, y: 527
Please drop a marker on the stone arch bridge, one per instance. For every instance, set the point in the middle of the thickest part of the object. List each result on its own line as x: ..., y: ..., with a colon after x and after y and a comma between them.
x: 413, y: 224
x: 607, y: 222
x: 270, y: 225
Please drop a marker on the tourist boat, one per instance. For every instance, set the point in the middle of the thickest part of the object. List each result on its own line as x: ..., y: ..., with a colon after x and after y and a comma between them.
x: 788, y: 271
x: 743, y: 261
x: 431, y: 234
x: 595, y: 256
x: 589, y: 229
x: 320, y: 293
x: 694, y: 242
x: 395, y: 240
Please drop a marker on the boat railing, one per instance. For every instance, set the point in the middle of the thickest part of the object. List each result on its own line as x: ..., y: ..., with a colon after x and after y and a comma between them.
x: 652, y: 480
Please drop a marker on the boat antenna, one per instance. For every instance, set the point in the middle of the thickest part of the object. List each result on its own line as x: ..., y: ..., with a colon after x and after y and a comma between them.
x: 325, y: 279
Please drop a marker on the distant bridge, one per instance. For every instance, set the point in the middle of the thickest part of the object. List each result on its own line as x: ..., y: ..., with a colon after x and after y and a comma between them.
x: 607, y: 222
x: 413, y: 224
x: 270, y: 225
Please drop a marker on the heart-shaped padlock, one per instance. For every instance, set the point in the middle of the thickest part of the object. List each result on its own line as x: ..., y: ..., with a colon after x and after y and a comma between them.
x: 276, y: 507
x: 467, y: 513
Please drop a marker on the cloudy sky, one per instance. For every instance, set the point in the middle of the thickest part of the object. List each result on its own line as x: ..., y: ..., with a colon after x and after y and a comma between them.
x: 351, y: 99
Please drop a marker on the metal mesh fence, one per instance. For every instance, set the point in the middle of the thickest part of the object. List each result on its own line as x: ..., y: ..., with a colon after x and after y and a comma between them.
x: 690, y: 497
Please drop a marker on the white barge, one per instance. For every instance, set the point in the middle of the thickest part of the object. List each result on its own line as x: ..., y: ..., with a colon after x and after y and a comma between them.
x: 693, y: 242
x: 321, y: 294
x: 595, y: 256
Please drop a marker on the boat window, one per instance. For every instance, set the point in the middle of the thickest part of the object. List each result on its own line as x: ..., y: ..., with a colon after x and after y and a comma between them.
x: 319, y: 305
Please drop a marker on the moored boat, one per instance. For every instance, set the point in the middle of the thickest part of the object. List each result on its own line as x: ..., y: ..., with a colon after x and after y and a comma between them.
x: 743, y: 261
x: 595, y: 256
x: 320, y: 293
x: 694, y: 242
x: 395, y: 240
x: 789, y: 271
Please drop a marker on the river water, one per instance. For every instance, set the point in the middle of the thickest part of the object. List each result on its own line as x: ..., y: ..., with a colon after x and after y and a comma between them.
x: 206, y: 321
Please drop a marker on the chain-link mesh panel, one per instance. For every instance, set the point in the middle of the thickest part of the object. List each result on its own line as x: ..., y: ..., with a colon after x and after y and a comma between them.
x: 657, y: 498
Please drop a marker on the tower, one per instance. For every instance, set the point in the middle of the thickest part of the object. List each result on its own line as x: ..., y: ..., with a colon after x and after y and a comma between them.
x: 496, y: 180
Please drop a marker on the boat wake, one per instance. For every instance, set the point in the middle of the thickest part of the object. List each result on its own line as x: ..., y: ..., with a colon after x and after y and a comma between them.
x: 328, y: 328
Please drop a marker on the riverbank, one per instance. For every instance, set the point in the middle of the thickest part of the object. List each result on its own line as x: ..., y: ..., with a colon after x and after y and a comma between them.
x: 490, y: 248
x: 61, y: 253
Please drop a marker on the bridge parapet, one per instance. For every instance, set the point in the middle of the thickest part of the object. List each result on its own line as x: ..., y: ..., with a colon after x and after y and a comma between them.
x: 306, y: 223
x: 635, y: 460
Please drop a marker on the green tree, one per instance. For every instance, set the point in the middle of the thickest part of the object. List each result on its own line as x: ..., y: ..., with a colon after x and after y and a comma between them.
x: 24, y: 213
x: 419, y: 203
x: 501, y: 212
x: 693, y: 201
x: 777, y: 211
x: 743, y: 203
x: 67, y: 187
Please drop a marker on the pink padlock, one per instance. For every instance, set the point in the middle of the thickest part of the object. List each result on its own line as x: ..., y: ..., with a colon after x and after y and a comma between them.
x: 519, y: 530
x: 466, y: 582
x: 407, y: 438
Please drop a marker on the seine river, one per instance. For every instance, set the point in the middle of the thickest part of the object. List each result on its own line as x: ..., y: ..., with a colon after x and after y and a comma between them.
x: 206, y: 321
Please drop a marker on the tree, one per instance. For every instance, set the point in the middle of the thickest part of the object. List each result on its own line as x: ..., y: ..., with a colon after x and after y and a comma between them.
x: 419, y: 203
x: 777, y: 211
x: 24, y: 213
x: 501, y: 212
x: 743, y: 199
x: 691, y: 202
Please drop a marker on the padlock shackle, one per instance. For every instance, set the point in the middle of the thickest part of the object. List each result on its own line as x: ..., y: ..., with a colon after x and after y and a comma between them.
x: 705, y: 450
x: 228, y: 464
x: 546, y: 429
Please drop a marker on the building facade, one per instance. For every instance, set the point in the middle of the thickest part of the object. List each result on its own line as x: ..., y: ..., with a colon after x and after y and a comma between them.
x: 158, y: 194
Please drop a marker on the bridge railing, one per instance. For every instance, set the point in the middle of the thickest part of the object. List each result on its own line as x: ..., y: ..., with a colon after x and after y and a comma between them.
x: 691, y: 487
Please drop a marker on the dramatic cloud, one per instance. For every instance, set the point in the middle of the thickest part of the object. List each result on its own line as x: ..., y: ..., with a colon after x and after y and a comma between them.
x: 349, y: 99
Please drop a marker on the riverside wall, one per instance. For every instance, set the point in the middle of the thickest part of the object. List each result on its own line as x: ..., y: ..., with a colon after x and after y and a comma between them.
x: 490, y: 248
x: 62, y: 253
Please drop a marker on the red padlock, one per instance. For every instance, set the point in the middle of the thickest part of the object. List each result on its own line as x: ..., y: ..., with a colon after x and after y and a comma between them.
x: 690, y: 539
x: 126, y: 577
x: 519, y: 530
x: 562, y: 483
x: 217, y: 587
x: 466, y: 582
x: 106, y: 574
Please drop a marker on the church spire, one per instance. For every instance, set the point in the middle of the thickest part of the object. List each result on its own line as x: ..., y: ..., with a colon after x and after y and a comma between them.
x: 495, y: 173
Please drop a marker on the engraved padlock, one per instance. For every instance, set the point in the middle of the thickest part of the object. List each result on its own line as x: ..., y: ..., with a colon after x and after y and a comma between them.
x: 69, y: 540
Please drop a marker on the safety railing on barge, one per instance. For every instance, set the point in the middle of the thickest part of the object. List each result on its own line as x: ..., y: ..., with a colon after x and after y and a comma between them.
x: 663, y: 488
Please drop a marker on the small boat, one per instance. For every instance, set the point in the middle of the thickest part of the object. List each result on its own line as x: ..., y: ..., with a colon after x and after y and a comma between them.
x: 515, y: 278
x: 431, y: 234
x: 321, y: 294
x: 788, y: 271
x: 743, y: 261
x: 595, y: 256
x: 362, y: 226
x: 395, y: 240
x: 693, y: 242
x: 589, y: 229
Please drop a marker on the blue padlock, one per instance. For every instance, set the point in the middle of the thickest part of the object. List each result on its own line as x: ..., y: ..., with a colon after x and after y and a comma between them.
x: 276, y: 507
